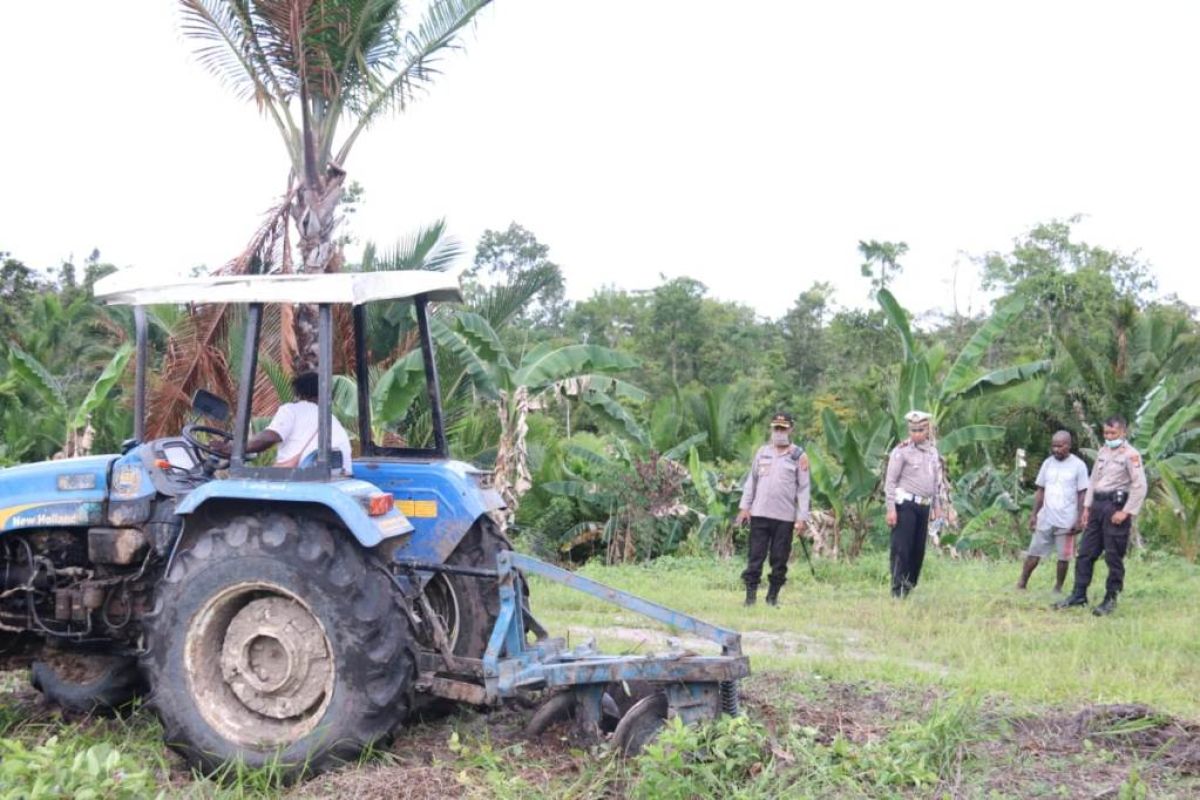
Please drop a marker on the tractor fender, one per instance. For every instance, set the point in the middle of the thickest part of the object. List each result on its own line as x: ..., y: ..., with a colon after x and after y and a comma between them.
x: 442, y: 498
x: 347, y: 499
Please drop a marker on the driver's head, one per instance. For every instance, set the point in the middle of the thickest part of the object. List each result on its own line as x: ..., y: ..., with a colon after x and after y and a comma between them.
x: 304, y: 386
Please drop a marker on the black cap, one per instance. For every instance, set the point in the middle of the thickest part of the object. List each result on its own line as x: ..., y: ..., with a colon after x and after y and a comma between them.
x: 782, y: 419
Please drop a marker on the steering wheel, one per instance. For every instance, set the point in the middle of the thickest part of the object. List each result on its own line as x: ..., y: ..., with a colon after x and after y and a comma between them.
x: 189, y: 435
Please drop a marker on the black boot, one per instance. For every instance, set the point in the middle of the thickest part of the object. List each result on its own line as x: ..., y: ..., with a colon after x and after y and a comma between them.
x: 773, y: 596
x: 1107, y: 607
x: 751, y: 595
x: 1076, y: 598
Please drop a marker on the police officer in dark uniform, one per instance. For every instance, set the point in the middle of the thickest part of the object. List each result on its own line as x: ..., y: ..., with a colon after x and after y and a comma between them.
x: 914, y: 475
x: 1114, y: 497
x: 775, y: 501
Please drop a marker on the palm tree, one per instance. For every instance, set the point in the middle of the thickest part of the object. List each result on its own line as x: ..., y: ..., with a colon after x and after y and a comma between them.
x: 322, y: 71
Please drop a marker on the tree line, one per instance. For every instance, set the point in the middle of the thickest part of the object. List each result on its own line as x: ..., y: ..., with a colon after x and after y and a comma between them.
x: 621, y: 425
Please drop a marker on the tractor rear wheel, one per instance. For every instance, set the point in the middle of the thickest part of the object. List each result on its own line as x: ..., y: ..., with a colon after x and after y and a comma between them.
x: 273, y: 640
x: 469, y: 606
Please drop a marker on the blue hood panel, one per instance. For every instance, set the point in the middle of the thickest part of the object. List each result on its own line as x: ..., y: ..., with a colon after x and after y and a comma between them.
x: 61, y: 493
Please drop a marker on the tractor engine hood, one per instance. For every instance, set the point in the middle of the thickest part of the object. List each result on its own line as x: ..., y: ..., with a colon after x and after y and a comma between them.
x: 67, y: 492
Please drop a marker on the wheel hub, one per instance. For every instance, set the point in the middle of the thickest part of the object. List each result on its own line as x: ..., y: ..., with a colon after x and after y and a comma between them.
x: 275, y: 658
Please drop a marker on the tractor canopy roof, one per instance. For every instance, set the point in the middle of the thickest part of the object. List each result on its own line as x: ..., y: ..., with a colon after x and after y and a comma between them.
x: 353, y: 288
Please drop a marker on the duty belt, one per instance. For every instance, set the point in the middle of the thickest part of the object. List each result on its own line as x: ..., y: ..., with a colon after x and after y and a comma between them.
x: 905, y: 497
x: 1118, y: 496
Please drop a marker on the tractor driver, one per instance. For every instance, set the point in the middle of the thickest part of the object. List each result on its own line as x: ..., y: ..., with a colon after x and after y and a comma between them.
x: 294, y: 429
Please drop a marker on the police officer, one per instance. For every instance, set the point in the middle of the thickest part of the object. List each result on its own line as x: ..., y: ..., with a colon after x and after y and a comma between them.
x: 913, y: 476
x: 775, y: 501
x: 1113, y: 499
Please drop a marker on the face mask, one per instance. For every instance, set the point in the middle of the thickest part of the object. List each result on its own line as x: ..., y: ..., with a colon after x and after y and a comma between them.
x: 1114, y: 443
x: 780, y: 438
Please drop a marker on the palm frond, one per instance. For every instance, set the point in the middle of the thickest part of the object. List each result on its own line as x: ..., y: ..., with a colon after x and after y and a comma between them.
x: 500, y: 304
x: 427, y: 247
x: 417, y: 53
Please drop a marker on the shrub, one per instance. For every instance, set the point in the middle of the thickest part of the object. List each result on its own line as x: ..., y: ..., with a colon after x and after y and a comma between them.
x: 67, y: 768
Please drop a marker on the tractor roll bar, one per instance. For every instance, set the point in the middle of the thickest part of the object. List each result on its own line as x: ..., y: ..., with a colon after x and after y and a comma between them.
x: 363, y: 379
x: 241, y: 426
x: 139, y: 375
x: 324, y: 384
x: 431, y: 376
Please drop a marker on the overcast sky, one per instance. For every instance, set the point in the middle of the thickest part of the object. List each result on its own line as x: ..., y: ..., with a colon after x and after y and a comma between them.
x: 749, y: 145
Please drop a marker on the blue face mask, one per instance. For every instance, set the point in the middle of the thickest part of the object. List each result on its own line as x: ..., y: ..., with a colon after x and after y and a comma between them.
x: 1114, y: 443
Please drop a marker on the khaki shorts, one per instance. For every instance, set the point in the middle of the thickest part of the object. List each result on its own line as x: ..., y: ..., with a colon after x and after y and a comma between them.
x: 1060, y: 540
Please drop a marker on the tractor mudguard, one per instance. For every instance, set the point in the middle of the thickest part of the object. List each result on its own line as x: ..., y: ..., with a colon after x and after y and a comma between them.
x: 346, y: 498
x: 66, y: 493
x: 442, y: 498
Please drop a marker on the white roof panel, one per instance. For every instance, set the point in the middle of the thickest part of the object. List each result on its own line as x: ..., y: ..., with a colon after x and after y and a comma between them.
x: 352, y: 288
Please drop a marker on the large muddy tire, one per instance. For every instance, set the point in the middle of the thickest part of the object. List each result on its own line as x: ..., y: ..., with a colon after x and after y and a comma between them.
x: 274, y: 641
x: 87, y: 682
x: 469, y: 606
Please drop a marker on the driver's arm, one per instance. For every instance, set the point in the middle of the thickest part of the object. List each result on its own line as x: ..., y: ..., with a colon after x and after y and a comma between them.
x: 263, y: 441
x: 255, y: 444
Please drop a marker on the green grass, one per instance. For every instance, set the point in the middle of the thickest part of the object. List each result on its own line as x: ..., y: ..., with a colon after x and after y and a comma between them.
x: 965, y: 627
x: 952, y: 668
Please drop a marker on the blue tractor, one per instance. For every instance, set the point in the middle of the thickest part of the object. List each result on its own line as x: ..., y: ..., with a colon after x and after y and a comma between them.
x: 295, y: 615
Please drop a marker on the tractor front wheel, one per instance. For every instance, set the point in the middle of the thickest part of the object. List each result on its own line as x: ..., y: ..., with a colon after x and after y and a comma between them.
x: 273, y: 640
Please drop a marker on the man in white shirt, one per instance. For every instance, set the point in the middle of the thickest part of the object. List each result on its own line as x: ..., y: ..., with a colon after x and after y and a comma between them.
x: 294, y: 428
x: 1062, y: 483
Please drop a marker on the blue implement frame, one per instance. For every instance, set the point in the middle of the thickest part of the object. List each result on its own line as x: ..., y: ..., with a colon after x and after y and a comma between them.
x: 697, y: 687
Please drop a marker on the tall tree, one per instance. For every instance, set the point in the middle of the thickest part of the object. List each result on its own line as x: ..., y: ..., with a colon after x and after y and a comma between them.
x: 676, y: 327
x: 882, y: 255
x: 804, y: 333
x: 505, y: 257
x: 1069, y: 284
x: 322, y: 71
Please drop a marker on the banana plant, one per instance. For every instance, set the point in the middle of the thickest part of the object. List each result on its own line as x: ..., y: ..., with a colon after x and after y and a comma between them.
x: 1164, y: 427
x: 1182, y: 500
x: 847, y: 470
x: 926, y: 383
x: 517, y: 386
x: 715, y: 532
x: 631, y: 499
x: 28, y: 377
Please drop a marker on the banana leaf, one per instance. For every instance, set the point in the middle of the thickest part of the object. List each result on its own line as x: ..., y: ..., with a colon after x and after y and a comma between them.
x: 967, y: 364
x: 1170, y: 429
x: 899, y: 319
x: 1003, y: 378
x: 473, y: 350
x: 969, y: 435
x: 35, y: 376
x: 399, y: 386
x: 614, y: 411
x: 546, y: 365
x: 98, y: 393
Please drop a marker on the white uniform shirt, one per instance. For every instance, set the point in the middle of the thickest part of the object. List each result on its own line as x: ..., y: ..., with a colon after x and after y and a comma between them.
x: 1061, y: 482
x: 296, y: 424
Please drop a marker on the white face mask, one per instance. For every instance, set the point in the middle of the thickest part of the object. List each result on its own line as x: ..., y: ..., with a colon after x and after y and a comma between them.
x: 780, y: 438
x: 1114, y: 443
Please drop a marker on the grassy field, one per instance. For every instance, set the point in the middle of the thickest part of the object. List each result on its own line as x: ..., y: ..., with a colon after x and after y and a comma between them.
x: 967, y: 689
x: 965, y: 627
